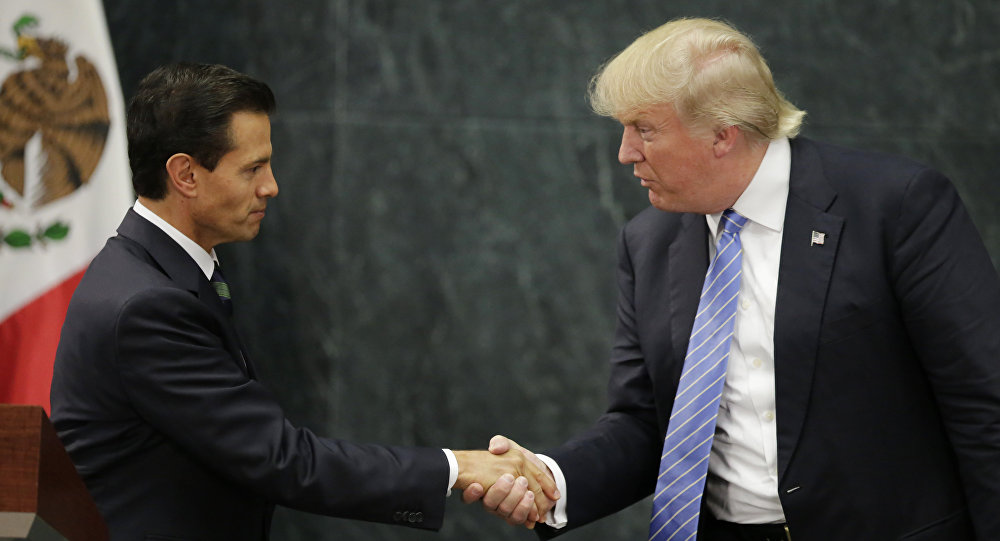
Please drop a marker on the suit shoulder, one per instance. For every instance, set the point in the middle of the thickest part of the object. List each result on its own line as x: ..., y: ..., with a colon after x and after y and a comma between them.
x: 125, y: 262
x: 119, y: 272
x: 653, y: 225
x: 847, y: 168
x: 652, y: 218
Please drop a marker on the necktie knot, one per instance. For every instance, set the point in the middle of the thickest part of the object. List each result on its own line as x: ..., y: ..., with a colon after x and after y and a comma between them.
x: 732, y: 222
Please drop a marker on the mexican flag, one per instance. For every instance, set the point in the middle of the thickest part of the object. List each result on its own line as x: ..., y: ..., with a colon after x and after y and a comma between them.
x: 64, y: 176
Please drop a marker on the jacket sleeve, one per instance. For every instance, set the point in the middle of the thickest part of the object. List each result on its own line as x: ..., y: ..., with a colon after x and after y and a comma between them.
x: 614, y: 463
x: 949, y: 296
x: 182, y: 380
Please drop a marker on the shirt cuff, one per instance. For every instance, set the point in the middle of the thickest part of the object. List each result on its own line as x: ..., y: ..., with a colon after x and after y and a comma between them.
x: 453, y: 469
x: 556, y: 516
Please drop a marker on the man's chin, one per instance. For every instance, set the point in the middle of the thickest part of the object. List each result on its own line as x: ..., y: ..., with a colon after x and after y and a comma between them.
x: 658, y: 202
x: 249, y: 235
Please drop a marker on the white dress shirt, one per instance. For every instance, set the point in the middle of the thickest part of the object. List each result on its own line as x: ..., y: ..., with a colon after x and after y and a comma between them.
x: 205, y: 260
x: 742, y: 483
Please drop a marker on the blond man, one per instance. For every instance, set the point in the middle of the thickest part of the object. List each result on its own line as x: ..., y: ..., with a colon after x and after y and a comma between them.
x: 859, y: 394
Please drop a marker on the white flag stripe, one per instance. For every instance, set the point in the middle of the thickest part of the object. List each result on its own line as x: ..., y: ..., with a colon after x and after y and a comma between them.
x: 92, y: 211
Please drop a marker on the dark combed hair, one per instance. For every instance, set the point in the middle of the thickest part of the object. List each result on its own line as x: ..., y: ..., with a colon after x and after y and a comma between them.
x: 186, y: 108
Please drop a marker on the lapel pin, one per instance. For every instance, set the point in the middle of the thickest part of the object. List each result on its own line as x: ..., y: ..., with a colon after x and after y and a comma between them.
x: 817, y: 238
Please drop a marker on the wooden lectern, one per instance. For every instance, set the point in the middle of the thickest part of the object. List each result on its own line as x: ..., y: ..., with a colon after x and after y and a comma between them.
x: 41, y: 495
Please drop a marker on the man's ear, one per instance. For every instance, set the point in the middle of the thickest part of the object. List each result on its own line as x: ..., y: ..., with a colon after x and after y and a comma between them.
x: 180, y: 173
x: 725, y: 140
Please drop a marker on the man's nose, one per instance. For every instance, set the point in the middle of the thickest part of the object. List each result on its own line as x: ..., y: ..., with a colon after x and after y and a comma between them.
x: 270, y: 186
x: 628, y: 152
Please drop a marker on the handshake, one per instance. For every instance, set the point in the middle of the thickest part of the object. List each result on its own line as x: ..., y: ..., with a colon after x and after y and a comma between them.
x: 511, y: 481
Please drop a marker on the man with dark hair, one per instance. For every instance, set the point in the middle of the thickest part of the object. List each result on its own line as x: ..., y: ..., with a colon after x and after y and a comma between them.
x: 153, y: 394
x: 186, y: 108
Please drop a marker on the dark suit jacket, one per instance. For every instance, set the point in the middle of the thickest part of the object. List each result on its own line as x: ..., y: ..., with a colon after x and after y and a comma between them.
x: 887, y: 357
x: 160, y: 411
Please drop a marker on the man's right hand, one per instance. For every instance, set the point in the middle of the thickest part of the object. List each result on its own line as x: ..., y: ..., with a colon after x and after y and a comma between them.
x: 509, y: 498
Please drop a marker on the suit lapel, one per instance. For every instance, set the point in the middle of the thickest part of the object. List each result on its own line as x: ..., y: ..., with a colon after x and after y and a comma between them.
x: 687, y: 265
x: 206, y: 293
x: 804, y: 277
x: 179, y: 266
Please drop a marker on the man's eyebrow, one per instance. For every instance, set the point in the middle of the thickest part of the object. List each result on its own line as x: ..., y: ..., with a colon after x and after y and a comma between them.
x: 635, y: 117
x: 260, y: 160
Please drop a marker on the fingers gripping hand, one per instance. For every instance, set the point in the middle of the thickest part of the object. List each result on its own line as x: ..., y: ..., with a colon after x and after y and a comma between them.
x: 512, y: 500
x: 500, y: 445
x: 516, y: 489
x: 501, y: 497
x: 473, y: 493
x: 509, y: 498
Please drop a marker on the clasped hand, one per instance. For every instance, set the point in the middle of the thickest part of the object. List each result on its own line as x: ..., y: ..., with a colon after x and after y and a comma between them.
x: 511, y: 481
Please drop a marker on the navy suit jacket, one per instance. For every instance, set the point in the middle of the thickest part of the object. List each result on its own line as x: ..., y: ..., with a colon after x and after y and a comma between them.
x: 887, y: 357
x: 160, y: 410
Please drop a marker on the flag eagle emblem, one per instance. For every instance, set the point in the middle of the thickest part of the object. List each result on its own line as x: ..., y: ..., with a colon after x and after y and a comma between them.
x: 67, y: 115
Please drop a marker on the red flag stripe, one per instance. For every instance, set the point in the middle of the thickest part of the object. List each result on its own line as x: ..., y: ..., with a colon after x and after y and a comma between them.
x: 28, y: 340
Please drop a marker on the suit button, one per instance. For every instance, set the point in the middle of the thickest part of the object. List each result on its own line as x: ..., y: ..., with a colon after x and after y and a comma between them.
x: 415, y: 517
x: 399, y: 516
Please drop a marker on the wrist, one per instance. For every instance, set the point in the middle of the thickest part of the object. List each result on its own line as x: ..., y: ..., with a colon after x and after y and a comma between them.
x: 464, y: 460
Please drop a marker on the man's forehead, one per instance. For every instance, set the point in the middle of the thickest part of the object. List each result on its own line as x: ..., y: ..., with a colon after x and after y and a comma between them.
x: 648, y: 113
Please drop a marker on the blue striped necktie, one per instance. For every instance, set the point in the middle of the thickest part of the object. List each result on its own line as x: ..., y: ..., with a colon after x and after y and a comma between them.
x: 222, y: 289
x: 684, y: 462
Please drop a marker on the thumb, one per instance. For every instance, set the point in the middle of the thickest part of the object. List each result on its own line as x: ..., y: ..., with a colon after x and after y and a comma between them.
x: 500, y: 445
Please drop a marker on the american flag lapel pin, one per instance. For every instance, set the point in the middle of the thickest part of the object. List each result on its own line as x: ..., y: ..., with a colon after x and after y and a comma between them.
x: 817, y: 238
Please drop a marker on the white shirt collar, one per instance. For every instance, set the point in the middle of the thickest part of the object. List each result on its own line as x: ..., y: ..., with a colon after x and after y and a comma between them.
x: 206, y: 260
x: 764, y: 199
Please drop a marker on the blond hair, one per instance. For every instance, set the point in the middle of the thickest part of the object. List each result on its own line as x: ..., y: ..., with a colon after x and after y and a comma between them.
x: 713, y: 75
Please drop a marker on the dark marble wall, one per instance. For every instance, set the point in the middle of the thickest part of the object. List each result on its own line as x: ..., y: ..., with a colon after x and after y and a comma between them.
x: 439, y: 265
